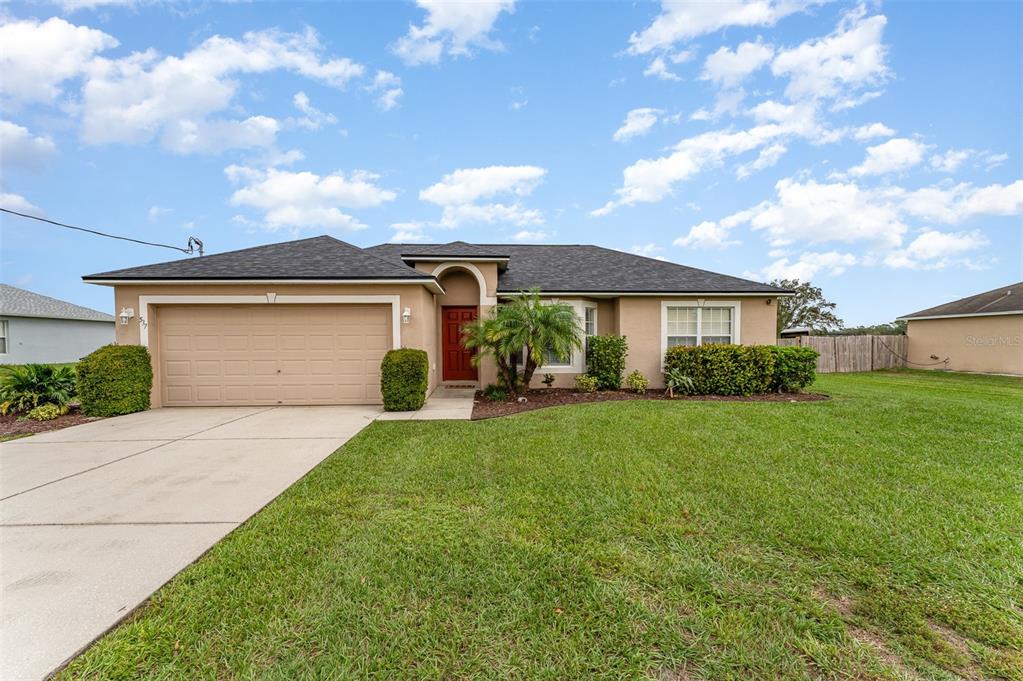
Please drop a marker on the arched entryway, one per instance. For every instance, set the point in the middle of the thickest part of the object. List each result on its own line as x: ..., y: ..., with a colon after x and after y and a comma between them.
x: 459, y: 305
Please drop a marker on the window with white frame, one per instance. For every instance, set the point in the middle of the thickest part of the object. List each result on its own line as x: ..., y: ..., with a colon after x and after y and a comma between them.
x: 687, y: 324
x: 552, y: 360
x: 3, y: 336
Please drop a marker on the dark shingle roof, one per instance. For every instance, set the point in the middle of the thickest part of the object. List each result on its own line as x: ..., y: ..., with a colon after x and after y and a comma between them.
x: 321, y: 257
x: 1005, y: 300
x: 581, y: 269
x: 454, y: 249
x: 17, y: 302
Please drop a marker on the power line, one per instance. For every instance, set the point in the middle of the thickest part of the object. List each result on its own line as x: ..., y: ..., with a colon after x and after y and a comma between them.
x: 194, y: 244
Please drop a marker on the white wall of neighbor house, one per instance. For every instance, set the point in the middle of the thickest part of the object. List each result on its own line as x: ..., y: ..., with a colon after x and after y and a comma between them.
x: 25, y: 340
x: 988, y: 344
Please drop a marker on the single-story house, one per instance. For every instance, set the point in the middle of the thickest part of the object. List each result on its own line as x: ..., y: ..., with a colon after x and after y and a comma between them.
x: 980, y: 333
x: 39, y: 329
x: 308, y: 321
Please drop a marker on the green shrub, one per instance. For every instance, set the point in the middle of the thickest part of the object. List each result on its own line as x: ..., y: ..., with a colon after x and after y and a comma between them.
x: 637, y: 382
x: 115, y: 380
x: 48, y: 412
x: 23, y: 388
x: 794, y: 368
x: 586, y: 384
x: 548, y: 380
x: 495, y: 393
x: 605, y: 360
x: 404, y: 377
x: 723, y: 369
x: 677, y: 382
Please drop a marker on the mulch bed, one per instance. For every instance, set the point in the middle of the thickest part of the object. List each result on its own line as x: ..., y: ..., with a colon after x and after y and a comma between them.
x: 553, y: 397
x: 11, y: 425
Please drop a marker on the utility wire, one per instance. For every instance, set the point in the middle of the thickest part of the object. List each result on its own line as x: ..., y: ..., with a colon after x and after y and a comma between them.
x: 194, y: 244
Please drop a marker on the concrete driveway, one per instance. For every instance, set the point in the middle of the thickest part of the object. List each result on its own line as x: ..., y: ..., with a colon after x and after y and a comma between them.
x: 95, y: 518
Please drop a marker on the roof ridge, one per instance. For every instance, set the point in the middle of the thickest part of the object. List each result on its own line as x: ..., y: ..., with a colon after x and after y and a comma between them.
x: 390, y: 263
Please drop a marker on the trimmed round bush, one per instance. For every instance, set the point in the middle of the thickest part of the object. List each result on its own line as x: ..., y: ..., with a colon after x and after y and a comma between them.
x: 404, y: 377
x: 794, y: 368
x: 605, y: 360
x: 723, y: 369
x: 115, y: 380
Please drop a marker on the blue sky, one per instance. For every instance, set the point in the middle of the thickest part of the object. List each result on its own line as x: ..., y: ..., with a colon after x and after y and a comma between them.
x: 874, y: 149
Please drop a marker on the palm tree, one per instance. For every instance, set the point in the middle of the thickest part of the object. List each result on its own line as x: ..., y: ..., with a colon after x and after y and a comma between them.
x: 527, y: 323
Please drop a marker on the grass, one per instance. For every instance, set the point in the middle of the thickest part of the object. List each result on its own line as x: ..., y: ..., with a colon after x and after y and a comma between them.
x: 876, y: 535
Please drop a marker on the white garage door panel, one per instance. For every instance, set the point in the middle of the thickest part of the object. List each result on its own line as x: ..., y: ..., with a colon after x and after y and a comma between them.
x: 272, y: 354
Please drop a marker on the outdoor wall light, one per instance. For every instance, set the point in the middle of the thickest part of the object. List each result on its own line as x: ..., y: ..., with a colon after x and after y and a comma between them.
x: 126, y: 314
x: 406, y: 315
x: 768, y: 301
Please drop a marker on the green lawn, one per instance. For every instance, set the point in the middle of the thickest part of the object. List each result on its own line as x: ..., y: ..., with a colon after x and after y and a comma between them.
x: 876, y: 535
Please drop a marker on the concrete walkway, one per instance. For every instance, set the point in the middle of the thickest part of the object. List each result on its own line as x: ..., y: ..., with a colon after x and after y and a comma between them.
x: 95, y: 518
x: 443, y: 403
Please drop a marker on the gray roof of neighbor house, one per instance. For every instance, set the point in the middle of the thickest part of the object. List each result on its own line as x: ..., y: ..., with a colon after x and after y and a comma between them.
x: 593, y: 269
x: 321, y: 257
x: 17, y: 302
x: 1004, y: 300
x: 554, y: 269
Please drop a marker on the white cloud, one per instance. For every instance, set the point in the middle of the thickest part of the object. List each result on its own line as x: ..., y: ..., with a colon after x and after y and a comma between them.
x: 950, y: 161
x: 728, y: 69
x: 866, y: 132
x: 73, y: 5
x: 387, y: 87
x: 458, y: 192
x: 992, y: 161
x: 651, y: 180
x: 707, y: 234
x: 19, y: 148
x: 818, y: 213
x: 405, y: 232
x: 658, y: 68
x: 313, y: 118
x: 768, y: 157
x: 139, y: 97
x: 683, y: 21
x: 895, y: 155
x: 954, y: 204
x: 36, y: 58
x: 156, y: 212
x: 18, y: 203
x: 809, y: 265
x: 452, y: 27
x: 935, y: 250
x: 302, y: 200
x: 531, y: 236
x: 649, y: 250
x: 847, y: 60
x: 637, y: 122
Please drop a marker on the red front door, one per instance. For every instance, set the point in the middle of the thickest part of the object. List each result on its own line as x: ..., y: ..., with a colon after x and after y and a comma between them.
x: 457, y: 360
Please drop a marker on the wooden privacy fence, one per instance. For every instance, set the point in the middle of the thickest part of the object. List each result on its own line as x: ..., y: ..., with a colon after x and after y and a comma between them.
x: 839, y: 354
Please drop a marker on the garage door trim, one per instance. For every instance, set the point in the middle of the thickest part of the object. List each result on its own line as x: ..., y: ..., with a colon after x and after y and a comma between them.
x: 269, y: 299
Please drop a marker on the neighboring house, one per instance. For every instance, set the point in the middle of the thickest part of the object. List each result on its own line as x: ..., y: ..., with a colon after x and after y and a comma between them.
x: 796, y: 332
x: 39, y: 329
x: 980, y: 333
x: 308, y: 321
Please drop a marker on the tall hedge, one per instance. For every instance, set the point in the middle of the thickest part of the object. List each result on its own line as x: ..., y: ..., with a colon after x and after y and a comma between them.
x: 724, y: 369
x: 115, y: 380
x: 605, y: 360
x: 404, y: 377
x: 794, y: 368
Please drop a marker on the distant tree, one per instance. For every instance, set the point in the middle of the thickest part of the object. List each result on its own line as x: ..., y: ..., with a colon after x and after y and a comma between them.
x: 890, y: 329
x: 807, y: 307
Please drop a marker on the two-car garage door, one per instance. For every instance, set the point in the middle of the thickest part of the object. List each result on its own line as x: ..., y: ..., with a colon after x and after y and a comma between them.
x: 271, y: 354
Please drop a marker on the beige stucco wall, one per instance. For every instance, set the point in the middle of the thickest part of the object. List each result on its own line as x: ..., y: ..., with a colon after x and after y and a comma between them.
x: 639, y: 320
x: 418, y: 333
x: 989, y: 344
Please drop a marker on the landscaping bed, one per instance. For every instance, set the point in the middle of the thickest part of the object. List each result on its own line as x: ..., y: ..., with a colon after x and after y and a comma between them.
x: 12, y: 424
x: 553, y: 397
